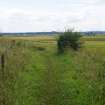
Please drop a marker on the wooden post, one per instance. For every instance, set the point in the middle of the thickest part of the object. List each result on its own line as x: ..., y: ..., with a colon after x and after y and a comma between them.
x: 3, y: 79
x: 2, y: 61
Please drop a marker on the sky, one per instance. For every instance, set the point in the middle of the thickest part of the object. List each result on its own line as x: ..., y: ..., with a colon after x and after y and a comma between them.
x: 51, y: 15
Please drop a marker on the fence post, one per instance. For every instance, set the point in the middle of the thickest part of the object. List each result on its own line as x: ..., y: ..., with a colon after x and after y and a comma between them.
x: 3, y: 98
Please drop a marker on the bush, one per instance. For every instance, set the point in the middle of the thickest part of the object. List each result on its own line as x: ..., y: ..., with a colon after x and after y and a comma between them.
x: 68, y: 39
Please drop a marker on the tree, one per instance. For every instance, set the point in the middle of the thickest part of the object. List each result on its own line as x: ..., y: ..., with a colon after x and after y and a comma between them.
x: 68, y: 39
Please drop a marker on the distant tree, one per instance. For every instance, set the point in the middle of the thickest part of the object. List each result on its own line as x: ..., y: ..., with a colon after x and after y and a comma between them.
x: 68, y: 39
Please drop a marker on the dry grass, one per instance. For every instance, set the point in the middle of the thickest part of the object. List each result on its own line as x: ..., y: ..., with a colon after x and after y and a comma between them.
x: 32, y: 38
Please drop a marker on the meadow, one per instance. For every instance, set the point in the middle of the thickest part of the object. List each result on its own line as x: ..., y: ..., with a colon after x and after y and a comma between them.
x: 32, y: 73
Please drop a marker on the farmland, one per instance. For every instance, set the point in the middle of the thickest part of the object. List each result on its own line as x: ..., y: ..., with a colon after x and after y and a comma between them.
x: 32, y: 73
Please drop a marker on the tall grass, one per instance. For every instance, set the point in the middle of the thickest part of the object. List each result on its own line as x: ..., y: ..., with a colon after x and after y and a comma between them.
x: 41, y: 77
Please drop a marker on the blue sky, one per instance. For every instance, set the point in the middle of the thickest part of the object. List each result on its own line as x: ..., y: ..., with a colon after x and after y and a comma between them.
x: 51, y: 15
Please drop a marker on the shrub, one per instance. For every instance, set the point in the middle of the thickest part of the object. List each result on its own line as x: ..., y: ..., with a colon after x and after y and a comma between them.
x: 68, y: 39
x: 39, y: 48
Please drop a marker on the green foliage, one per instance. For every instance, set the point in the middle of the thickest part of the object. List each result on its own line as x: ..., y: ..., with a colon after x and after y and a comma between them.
x: 68, y: 39
x: 40, y: 77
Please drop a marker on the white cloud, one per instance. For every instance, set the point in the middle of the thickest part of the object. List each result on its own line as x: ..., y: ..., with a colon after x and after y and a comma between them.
x: 81, y: 14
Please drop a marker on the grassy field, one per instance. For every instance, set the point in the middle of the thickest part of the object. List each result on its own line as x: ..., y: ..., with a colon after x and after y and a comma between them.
x: 32, y: 73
